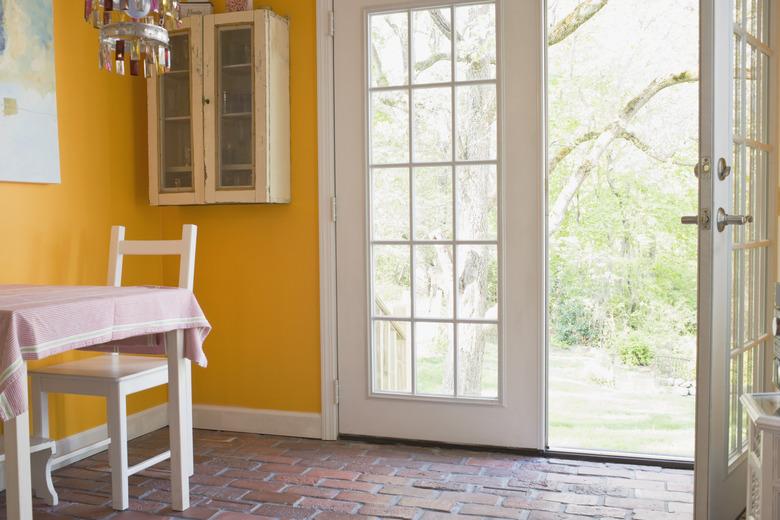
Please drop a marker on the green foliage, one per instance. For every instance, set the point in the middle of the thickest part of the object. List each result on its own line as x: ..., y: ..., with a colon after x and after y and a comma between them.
x: 636, y: 354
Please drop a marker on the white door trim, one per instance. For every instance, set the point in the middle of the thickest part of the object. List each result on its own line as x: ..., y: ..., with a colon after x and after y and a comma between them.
x: 327, y: 190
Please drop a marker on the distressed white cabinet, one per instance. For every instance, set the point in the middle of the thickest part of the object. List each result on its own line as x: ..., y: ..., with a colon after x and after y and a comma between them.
x: 219, y: 121
x: 763, y: 492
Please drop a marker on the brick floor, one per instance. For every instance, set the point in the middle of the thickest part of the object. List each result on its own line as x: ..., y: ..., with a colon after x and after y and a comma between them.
x: 247, y: 477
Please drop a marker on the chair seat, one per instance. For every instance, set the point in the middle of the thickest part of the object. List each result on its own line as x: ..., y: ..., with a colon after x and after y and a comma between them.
x: 107, y: 367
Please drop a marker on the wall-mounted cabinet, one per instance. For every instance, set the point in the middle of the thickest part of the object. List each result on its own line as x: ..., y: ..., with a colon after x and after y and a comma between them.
x: 219, y: 121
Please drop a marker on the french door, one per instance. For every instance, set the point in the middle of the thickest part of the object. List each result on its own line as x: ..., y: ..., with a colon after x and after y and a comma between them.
x: 736, y: 222
x: 439, y: 183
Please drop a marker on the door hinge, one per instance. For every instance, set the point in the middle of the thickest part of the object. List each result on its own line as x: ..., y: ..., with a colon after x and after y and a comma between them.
x: 333, y: 208
x: 336, y: 391
x: 332, y: 23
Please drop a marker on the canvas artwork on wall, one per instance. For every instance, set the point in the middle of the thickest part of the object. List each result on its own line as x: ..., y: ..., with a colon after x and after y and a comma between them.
x: 29, y: 144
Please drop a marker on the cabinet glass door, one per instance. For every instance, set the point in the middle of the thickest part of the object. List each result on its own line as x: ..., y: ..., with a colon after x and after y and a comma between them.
x: 235, y: 78
x: 176, y: 144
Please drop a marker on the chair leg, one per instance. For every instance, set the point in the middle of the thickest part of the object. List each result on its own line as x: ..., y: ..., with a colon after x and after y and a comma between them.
x: 117, y: 450
x: 42, y: 485
x: 40, y: 406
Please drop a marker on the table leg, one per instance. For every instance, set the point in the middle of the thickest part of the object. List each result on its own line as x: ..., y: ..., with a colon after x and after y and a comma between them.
x: 179, y: 423
x: 190, y: 452
x: 18, y: 484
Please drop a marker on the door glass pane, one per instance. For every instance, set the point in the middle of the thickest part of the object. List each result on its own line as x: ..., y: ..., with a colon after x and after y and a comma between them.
x: 389, y: 49
x: 433, y: 281
x: 175, y: 108
x: 236, y: 108
x: 476, y: 123
x: 392, y: 356
x: 477, y: 202
x: 390, y: 203
x: 444, y: 281
x: 389, y: 127
x: 435, y: 350
x: 392, y: 284
x: 477, y: 360
x: 475, y: 45
x: 432, y: 45
x: 433, y: 203
x: 432, y: 124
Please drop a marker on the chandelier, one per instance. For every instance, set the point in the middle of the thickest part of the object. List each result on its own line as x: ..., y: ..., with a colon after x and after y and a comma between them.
x: 134, y: 32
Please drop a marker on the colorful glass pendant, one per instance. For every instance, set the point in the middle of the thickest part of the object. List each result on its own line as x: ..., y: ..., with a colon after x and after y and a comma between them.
x: 134, y: 31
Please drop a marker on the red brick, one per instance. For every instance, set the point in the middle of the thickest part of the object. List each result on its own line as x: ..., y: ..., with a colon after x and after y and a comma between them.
x: 486, y: 499
x: 326, y: 504
x: 366, y: 498
x: 349, y: 484
x: 332, y: 474
x: 258, y: 485
x: 282, y: 468
x: 499, y: 512
x: 274, y: 498
x: 456, y: 468
x: 423, y: 503
x: 409, y: 491
x: 196, y: 513
x: 283, y: 512
x: 406, y: 513
x: 311, y: 491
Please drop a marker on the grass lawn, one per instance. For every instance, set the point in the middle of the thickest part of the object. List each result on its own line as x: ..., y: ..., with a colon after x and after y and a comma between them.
x: 596, y: 403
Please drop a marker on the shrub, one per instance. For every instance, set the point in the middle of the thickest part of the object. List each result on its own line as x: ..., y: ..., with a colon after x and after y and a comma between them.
x: 574, y: 324
x: 636, y: 354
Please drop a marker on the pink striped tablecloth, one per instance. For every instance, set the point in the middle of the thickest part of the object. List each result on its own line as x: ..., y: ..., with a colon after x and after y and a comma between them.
x: 40, y: 321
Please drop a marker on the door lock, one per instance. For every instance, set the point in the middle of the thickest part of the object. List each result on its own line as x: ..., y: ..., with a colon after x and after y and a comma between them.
x: 724, y: 219
x: 703, y: 220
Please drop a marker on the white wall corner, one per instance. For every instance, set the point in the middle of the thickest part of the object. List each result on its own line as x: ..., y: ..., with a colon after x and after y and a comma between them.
x: 249, y: 420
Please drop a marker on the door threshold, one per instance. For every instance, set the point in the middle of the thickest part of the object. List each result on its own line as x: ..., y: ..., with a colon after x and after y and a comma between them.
x: 558, y: 453
x: 619, y: 457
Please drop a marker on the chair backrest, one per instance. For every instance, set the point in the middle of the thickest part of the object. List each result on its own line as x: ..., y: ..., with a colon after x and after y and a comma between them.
x: 184, y: 249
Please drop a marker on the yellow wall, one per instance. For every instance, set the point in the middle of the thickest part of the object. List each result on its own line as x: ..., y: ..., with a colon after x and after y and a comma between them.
x: 58, y: 234
x: 257, y: 266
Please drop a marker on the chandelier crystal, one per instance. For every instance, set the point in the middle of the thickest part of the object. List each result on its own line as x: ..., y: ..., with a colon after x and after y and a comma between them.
x: 134, y: 32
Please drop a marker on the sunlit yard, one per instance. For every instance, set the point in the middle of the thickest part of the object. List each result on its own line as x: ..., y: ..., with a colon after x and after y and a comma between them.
x: 616, y: 408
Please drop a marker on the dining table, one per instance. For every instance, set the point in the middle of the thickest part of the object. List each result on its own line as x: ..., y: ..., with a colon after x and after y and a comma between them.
x: 38, y: 321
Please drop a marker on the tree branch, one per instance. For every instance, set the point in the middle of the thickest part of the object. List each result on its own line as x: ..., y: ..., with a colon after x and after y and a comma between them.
x: 648, y: 150
x: 584, y: 11
x: 566, y: 150
x: 601, y: 143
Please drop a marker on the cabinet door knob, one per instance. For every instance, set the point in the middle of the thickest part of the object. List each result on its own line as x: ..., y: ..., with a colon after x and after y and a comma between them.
x: 207, y: 101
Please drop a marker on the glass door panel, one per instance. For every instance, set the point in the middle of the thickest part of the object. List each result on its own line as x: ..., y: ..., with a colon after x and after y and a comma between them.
x: 235, y: 79
x: 433, y: 174
x: 176, y: 108
x: 750, y: 334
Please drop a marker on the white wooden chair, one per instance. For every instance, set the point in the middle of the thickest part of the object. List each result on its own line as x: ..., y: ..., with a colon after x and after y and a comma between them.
x: 115, y: 376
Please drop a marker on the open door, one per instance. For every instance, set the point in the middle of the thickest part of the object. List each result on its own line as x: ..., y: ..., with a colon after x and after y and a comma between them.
x: 736, y: 243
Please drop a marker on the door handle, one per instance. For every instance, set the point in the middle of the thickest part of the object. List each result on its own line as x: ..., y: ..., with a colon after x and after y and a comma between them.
x: 724, y: 219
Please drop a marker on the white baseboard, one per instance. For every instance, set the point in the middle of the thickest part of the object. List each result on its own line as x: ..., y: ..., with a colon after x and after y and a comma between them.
x: 249, y: 420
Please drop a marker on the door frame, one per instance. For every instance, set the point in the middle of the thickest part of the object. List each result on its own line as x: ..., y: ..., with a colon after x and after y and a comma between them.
x: 326, y: 164
x: 327, y: 225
